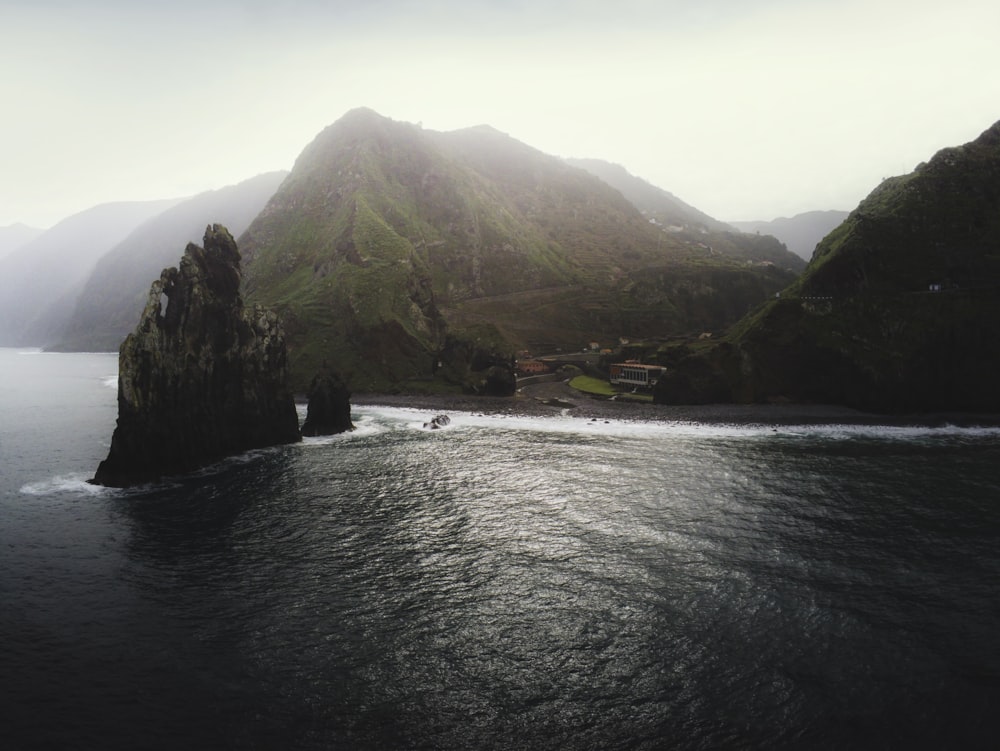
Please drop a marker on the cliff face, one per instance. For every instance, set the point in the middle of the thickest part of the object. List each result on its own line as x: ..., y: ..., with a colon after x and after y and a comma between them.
x: 896, y: 312
x: 201, y: 377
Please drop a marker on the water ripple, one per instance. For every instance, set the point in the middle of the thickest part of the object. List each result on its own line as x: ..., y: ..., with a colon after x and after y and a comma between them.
x: 513, y: 582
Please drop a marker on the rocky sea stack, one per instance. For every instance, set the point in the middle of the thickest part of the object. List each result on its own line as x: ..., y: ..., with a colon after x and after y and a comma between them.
x: 329, y: 409
x: 202, y: 376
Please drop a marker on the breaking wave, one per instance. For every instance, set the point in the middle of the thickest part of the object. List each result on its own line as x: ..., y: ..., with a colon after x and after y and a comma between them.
x: 415, y: 419
x: 76, y: 484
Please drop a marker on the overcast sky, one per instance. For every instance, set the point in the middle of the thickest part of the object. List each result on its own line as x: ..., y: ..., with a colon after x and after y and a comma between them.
x: 746, y: 109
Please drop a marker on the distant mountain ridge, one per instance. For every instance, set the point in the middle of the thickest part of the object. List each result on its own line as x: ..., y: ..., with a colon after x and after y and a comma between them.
x: 406, y: 257
x: 14, y: 236
x: 801, y: 233
x: 689, y: 224
x: 412, y: 259
x: 653, y: 202
x: 897, y: 311
x: 110, y: 302
x: 39, y: 280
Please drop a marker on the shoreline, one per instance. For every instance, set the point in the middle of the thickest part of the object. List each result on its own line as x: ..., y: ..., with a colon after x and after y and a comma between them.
x: 558, y: 399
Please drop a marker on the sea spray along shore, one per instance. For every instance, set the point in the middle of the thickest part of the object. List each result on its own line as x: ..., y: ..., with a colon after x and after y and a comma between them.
x: 558, y: 399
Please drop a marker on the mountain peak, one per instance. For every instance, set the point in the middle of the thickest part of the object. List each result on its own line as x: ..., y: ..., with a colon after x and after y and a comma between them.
x: 360, y: 115
x: 483, y: 129
x: 407, y: 256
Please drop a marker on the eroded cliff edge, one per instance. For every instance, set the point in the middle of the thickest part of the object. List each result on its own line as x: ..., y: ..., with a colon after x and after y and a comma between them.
x: 202, y: 376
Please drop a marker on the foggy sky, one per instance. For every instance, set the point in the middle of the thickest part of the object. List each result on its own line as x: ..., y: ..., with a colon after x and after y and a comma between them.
x: 746, y: 109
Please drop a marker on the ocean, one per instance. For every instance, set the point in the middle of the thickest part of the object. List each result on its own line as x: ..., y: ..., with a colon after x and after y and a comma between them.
x: 503, y: 583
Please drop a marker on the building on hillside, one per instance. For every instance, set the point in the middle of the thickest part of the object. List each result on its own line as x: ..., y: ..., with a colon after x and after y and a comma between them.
x: 634, y: 374
x: 532, y: 367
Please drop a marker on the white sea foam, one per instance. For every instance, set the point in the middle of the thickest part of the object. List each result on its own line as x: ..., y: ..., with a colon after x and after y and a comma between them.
x: 885, y: 432
x: 415, y: 419
x: 364, y: 427
x: 72, y: 483
x: 110, y: 381
x: 39, y: 351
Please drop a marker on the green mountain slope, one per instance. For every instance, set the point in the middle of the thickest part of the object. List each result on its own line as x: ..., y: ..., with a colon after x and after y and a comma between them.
x: 897, y: 310
x: 341, y: 251
x: 415, y: 259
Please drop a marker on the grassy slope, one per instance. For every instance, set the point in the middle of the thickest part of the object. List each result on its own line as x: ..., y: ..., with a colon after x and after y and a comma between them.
x: 386, y: 237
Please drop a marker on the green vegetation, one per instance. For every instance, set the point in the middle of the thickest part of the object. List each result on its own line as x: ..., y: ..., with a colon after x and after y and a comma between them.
x: 591, y: 385
x: 862, y: 326
x: 389, y: 250
x: 600, y: 387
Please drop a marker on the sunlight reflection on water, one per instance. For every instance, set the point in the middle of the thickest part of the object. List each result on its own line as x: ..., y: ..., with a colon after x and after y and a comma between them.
x: 505, y: 582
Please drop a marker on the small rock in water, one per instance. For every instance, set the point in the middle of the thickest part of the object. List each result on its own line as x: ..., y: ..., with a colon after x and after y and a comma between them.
x: 329, y: 409
x: 438, y: 422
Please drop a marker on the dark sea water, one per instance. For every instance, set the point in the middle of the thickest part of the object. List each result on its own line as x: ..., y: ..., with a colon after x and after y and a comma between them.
x: 520, y: 583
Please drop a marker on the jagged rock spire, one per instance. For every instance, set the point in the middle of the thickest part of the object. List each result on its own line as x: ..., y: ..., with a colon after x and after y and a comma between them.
x: 202, y: 376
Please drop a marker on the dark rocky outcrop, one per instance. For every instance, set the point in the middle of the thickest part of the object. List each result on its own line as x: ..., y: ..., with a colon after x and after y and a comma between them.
x: 202, y: 376
x: 897, y: 311
x: 329, y: 409
x: 437, y: 422
x: 500, y: 380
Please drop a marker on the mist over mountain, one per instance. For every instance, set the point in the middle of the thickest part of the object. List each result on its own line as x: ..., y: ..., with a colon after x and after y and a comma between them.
x: 655, y: 203
x: 39, y: 280
x: 112, y: 298
x: 14, y: 236
x: 411, y: 259
x: 404, y: 256
x: 801, y: 233
x: 687, y: 223
x: 897, y: 311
